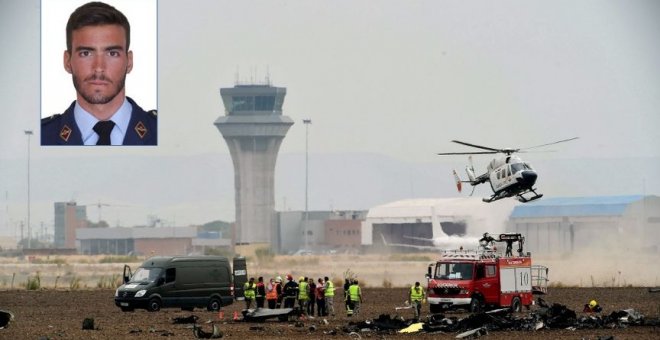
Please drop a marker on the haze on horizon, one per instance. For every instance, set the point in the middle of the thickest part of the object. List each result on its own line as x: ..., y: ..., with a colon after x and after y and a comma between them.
x: 389, y: 78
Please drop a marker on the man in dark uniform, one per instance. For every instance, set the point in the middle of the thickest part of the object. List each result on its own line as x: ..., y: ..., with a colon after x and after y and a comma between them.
x: 98, y: 59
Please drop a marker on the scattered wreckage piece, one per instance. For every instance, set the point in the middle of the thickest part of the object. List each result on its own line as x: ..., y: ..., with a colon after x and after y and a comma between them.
x: 5, y: 318
x: 216, y: 333
x: 654, y: 290
x: 263, y: 314
x: 88, y: 324
x: 557, y: 316
x: 474, y: 333
x: 185, y: 319
x: 384, y: 323
x: 414, y: 328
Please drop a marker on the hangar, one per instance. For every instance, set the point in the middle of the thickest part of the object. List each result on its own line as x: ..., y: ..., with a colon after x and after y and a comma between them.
x: 564, y: 225
x: 433, y: 218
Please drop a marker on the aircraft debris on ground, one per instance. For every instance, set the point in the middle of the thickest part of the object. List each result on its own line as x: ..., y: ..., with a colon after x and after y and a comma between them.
x: 555, y: 316
x: 263, y: 314
x: 5, y: 318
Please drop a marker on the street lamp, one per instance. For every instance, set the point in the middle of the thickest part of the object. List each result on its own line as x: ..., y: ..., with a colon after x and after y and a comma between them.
x: 307, y: 122
x: 28, y: 133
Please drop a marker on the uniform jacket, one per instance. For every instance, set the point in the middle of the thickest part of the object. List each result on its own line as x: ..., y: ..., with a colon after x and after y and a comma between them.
x: 61, y: 129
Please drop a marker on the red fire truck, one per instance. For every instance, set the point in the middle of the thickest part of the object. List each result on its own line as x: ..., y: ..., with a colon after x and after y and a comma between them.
x: 485, y: 278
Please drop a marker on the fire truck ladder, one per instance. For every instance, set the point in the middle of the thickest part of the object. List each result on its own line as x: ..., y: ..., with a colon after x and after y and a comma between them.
x: 539, y: 279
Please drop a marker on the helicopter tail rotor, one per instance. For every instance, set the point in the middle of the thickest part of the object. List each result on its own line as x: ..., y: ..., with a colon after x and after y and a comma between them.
x: 459, y: 183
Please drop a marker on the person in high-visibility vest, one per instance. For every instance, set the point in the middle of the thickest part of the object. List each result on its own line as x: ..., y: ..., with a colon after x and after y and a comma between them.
x: 329, y: 297
x: 271, y: 293
x: 354, y: 299
x: 416, y: 297
x: 303, y: 294
x: 249, y: 292
x: 347, y: 284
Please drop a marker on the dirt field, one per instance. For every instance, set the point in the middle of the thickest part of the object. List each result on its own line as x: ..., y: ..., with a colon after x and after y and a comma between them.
x: 58, y: 314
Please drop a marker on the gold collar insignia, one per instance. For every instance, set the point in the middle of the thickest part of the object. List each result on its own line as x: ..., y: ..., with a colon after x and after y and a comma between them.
x: 65, y: 133
x: 141, y: 129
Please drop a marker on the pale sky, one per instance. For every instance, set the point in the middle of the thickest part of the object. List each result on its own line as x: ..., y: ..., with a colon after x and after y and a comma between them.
x: 397, y: 78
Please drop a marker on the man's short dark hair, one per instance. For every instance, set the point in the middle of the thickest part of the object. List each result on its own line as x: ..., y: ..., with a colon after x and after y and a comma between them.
x: 95, y: 14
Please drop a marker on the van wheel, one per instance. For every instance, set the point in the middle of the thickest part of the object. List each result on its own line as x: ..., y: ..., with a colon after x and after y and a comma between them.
x: 475, y: 305
x: 214, y: 305
x: 516, y: 305
x: 154, y: 305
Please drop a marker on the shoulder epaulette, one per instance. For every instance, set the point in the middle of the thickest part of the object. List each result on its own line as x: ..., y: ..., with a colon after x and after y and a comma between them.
x: 50, y: 119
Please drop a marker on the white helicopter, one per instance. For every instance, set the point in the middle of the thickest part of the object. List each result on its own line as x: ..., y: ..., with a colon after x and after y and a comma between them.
x: 508, y: 176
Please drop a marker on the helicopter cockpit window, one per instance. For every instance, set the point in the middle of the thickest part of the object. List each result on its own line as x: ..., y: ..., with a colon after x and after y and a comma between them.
x: 517, y: 167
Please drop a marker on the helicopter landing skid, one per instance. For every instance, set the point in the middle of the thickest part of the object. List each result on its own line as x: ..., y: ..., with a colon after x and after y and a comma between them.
x: 523, y: 199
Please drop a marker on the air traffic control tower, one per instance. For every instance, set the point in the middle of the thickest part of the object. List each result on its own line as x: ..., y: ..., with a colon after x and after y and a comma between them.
x: 254, y: 128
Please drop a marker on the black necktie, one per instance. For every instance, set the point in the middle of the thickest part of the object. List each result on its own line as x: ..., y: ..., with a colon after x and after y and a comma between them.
x: 103, y: 129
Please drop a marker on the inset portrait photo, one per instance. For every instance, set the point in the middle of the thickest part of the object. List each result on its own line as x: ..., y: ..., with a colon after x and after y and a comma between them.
x: 99, y: 67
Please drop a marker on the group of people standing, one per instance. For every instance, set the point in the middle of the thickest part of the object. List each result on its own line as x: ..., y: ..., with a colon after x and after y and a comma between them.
x: 311, y: 296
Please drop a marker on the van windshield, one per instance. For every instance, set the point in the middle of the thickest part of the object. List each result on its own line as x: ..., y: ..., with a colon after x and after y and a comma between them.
x: 146, y: 275
x: 454, y: 271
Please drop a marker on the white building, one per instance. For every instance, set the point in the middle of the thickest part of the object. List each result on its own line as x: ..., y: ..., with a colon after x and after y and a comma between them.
x: 433, y: 218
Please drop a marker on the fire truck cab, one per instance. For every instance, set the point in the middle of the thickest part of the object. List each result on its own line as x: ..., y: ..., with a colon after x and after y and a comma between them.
x: 484, y: 278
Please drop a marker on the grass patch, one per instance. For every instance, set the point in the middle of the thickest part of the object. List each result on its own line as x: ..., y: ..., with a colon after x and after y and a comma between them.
x: 57, y: 261
x: 409, y: 257
x: 304, y: 260
x: 75, y: 283
x: 119, y: 259
x: 33, y: 283
x: 107, y: 282
x: 559, y: 284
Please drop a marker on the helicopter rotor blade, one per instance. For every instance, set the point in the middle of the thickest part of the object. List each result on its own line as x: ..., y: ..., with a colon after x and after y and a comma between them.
x: 467, y: 153
x: 561, y: 141
x: 476, y: 146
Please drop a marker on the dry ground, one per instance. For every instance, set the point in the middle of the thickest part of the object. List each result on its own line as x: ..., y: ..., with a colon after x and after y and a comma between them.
x: 58, y: 314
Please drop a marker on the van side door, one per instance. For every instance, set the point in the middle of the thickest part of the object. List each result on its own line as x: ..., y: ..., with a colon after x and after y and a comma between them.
x: 168, y: 290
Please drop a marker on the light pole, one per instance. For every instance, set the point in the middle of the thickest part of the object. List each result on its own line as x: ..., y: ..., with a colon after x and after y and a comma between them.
x: 28, y: 133
x: 307, y: 122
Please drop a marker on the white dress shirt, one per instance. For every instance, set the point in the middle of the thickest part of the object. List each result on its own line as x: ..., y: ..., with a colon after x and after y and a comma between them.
x: 86, y: 122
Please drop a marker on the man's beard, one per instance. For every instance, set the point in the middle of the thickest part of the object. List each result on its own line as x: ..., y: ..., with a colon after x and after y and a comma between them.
x: 98, y: 98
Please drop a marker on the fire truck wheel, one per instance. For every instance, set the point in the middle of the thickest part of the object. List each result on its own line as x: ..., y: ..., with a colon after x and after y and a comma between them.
x: 435, y: 308
x: 516, y: 305
x: 475, y: 305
